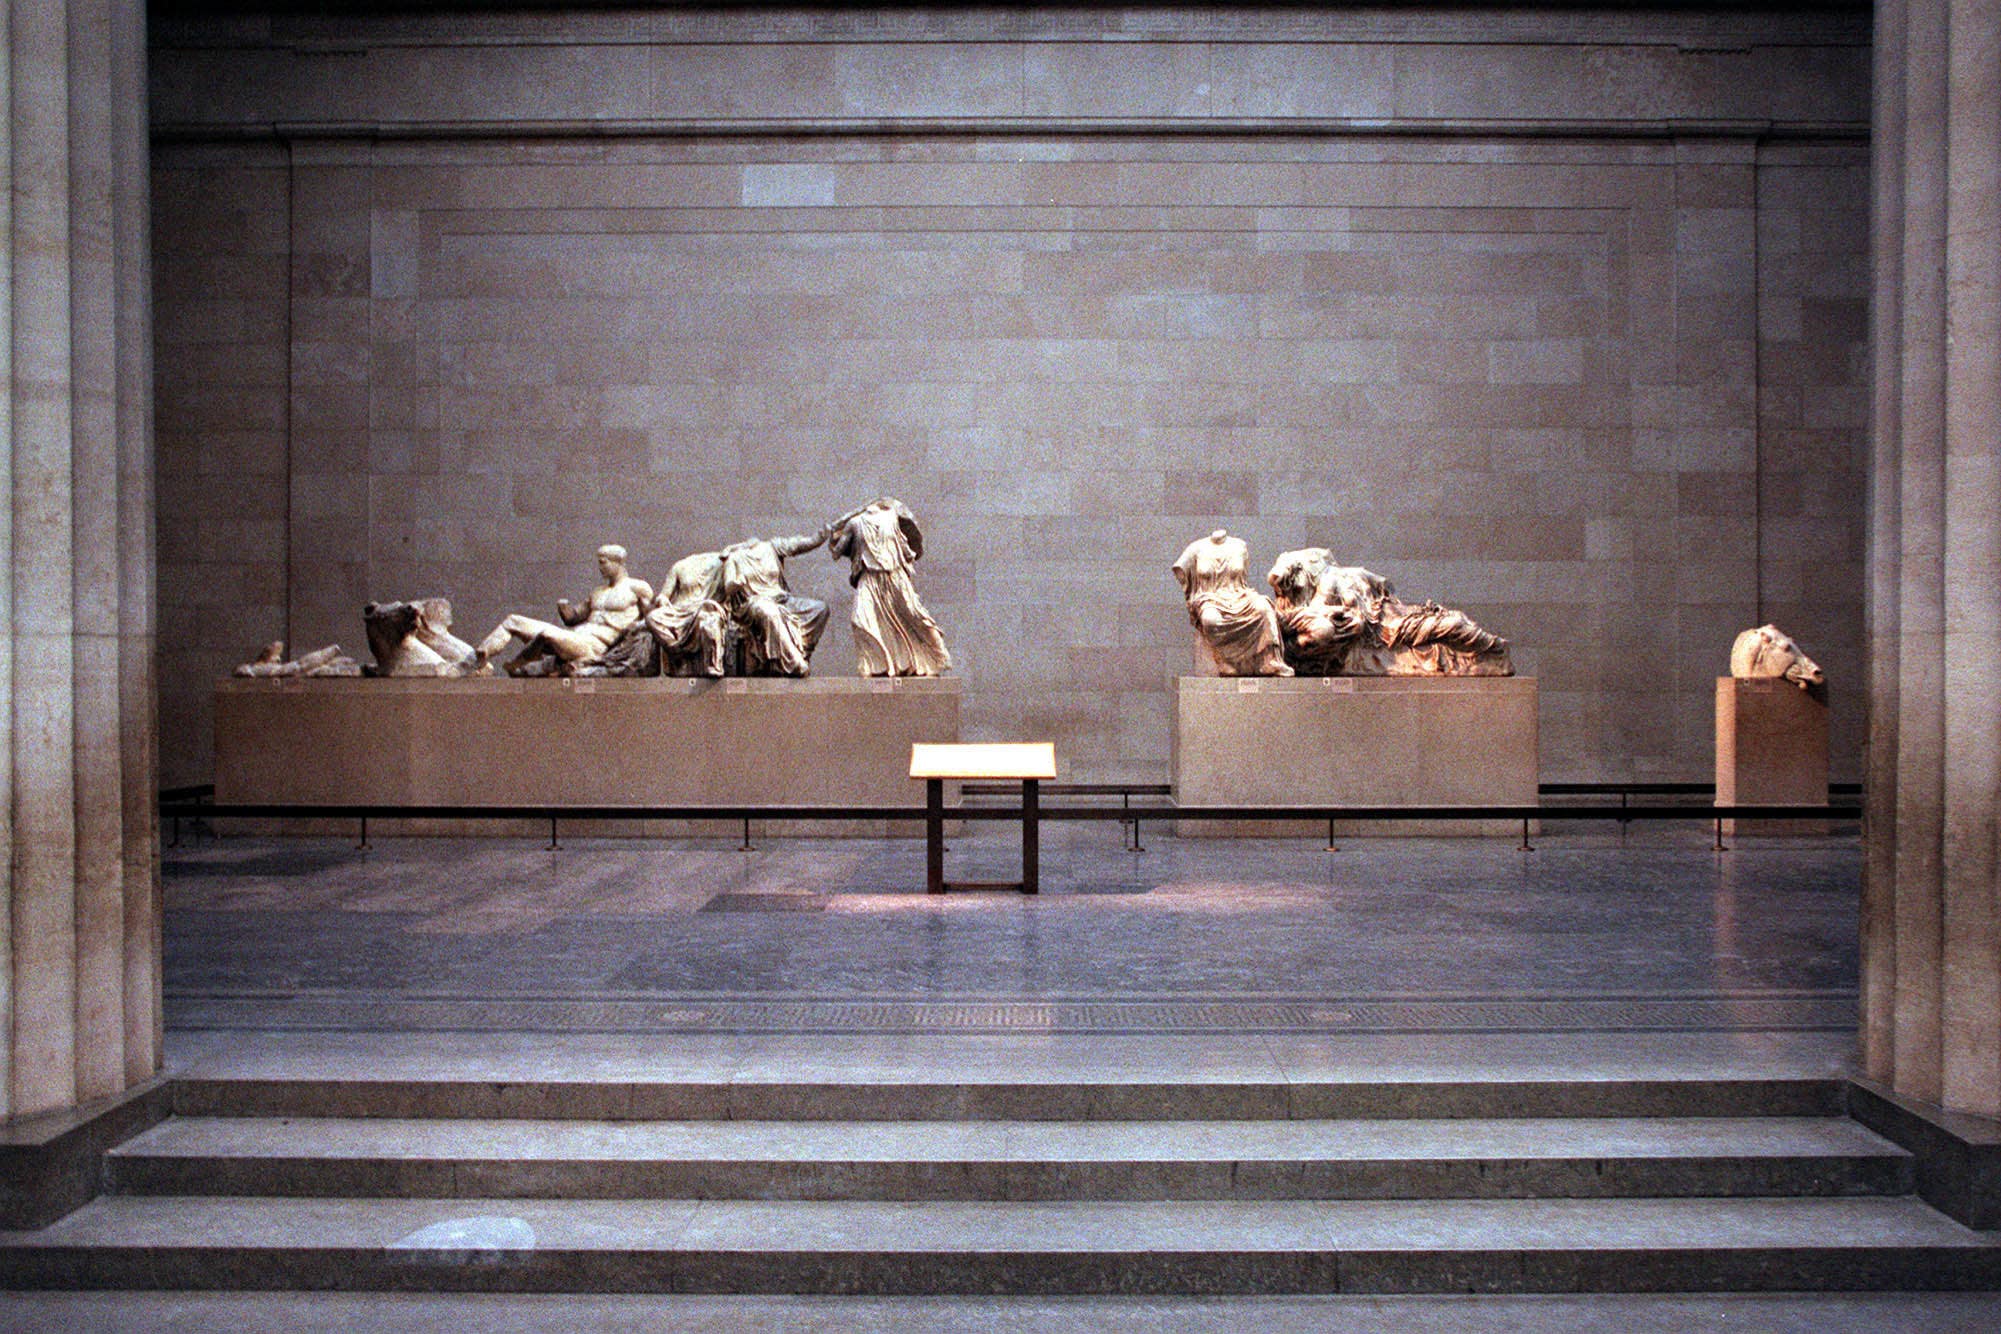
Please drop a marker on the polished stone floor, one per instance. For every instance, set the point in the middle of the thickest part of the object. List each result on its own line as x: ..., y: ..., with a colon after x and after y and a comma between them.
x: 1841, y: 1313
x: 1257, y: 963
x: 1589, y: 933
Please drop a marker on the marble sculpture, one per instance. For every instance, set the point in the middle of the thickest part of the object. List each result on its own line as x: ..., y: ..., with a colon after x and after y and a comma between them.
x: 588, y: 628
x: 719, y: 612
x: 1236, y: 629
x: 894, y: 634
x: 328, y: 661
x: 415, y: 639
x: 689, y: 621
x: 1769, y: 652
x: 780, y: 628
x: 1343, y: 620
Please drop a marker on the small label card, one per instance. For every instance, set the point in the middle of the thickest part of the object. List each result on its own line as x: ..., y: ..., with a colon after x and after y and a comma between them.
x: 1340, y: 685
x: 735, y: 685
x: 882, y: 687
x: 1246, y: 686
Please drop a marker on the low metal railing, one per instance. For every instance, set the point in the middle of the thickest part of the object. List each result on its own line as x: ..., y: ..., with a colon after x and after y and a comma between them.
x: 195, y: 805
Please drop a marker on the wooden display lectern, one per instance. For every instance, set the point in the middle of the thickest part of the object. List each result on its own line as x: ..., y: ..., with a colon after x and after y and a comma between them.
x: 1026, y: 762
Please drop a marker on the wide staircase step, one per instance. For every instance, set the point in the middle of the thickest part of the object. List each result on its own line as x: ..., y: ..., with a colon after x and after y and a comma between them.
x: 1012, y: 1160
x: 822, y: 1246
x: 1085, y: 1186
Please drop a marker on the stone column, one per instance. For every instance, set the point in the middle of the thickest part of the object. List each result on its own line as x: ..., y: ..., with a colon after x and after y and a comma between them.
x: 79, y: 942
x: 1931, y: 952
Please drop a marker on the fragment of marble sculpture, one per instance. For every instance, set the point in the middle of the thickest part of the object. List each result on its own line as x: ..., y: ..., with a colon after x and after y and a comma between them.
x: 1236, y: 629
x: 272, y: 662
x: 688, y: 620
x: 1343, y: 620
x: 415, y: 639
x: 685, y: 631
x: 588, y: 628
x: 894, y: 634
x: 780, y: 628
x: 1769, y: 652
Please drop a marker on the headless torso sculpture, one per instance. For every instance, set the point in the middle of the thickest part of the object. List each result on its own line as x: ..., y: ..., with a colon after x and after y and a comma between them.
x: 894, y: 634
x: 1236, y: 630
x: 780, y: 628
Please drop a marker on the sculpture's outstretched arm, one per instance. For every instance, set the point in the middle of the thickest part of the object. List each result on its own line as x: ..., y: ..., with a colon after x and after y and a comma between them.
x: 793, y: 546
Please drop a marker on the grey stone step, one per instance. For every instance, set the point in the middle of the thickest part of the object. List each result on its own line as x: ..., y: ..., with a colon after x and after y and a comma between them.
x: 136, y: 1242
x: 1011, y: 1160
x: 1049, y: 1100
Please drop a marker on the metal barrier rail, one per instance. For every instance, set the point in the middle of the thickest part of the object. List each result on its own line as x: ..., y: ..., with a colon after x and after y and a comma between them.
x: 1566, y: 789
x: 1125, y: 813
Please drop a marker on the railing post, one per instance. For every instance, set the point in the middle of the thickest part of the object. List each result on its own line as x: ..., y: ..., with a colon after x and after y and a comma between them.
x: 363, y: 845
x: 745, y: 845
x: 554, y: 846
x: 1526, y: 845
x: 1719, y: 836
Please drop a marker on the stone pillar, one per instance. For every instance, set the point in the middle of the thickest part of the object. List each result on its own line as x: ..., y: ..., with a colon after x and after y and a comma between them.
x: 79, y: 942
x: 1931, y: 953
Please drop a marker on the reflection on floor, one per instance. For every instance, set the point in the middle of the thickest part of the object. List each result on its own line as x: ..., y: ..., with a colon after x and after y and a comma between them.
x: 1651, y: 932
x: 472, y: 1012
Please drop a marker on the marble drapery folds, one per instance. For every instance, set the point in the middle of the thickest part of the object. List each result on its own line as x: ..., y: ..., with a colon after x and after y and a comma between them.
x: 894, y: 634
x: 1235, y: 628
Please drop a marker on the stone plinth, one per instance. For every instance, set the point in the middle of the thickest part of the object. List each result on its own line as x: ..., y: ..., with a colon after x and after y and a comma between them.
x: 1409, y: 741
x: 659, y: 741
x: 1771, y: 749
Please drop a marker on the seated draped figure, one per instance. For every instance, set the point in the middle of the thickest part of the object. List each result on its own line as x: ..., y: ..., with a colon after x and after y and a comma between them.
x: 1236, y: 629
x: 686, y: 632
x: 780, y: 628
x: 1343, y: 620
x: 1769, y: 652
x: 415, y: 639
x: 688, y: 621
x: 721, y: 612
x: 588, y: 628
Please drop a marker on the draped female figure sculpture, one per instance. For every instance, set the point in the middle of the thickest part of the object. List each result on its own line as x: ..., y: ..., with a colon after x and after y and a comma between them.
x: 1343, y: 620
x: 780, y: 627
x: 1237, y: 628
x: 894, y: 634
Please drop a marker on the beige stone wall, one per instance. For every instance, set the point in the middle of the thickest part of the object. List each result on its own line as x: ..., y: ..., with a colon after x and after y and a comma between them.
x: 479, y: 307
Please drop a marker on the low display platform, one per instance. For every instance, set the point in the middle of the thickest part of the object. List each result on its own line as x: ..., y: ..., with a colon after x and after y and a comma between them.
x: 1771, y: 749
x: 831, y: 741
x: 1354, y: 740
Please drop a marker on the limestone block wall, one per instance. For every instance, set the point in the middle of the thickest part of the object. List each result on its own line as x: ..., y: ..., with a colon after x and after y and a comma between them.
x: 1553, y: 315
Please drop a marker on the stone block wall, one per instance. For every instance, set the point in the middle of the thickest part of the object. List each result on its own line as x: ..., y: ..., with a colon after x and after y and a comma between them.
x: 1553, y: 315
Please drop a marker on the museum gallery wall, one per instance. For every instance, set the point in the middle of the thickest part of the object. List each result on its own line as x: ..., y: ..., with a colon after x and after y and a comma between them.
x: 1586, y: 362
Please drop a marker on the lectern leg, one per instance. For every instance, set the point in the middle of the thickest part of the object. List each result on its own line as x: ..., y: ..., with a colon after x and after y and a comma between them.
x: 1031, y: 835
x: 934, y: 836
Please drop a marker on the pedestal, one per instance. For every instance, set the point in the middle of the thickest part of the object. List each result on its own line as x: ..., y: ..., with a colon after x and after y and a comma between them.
x: 1410, y: 741
x: 1771, y: 749
x: 652, y: 741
